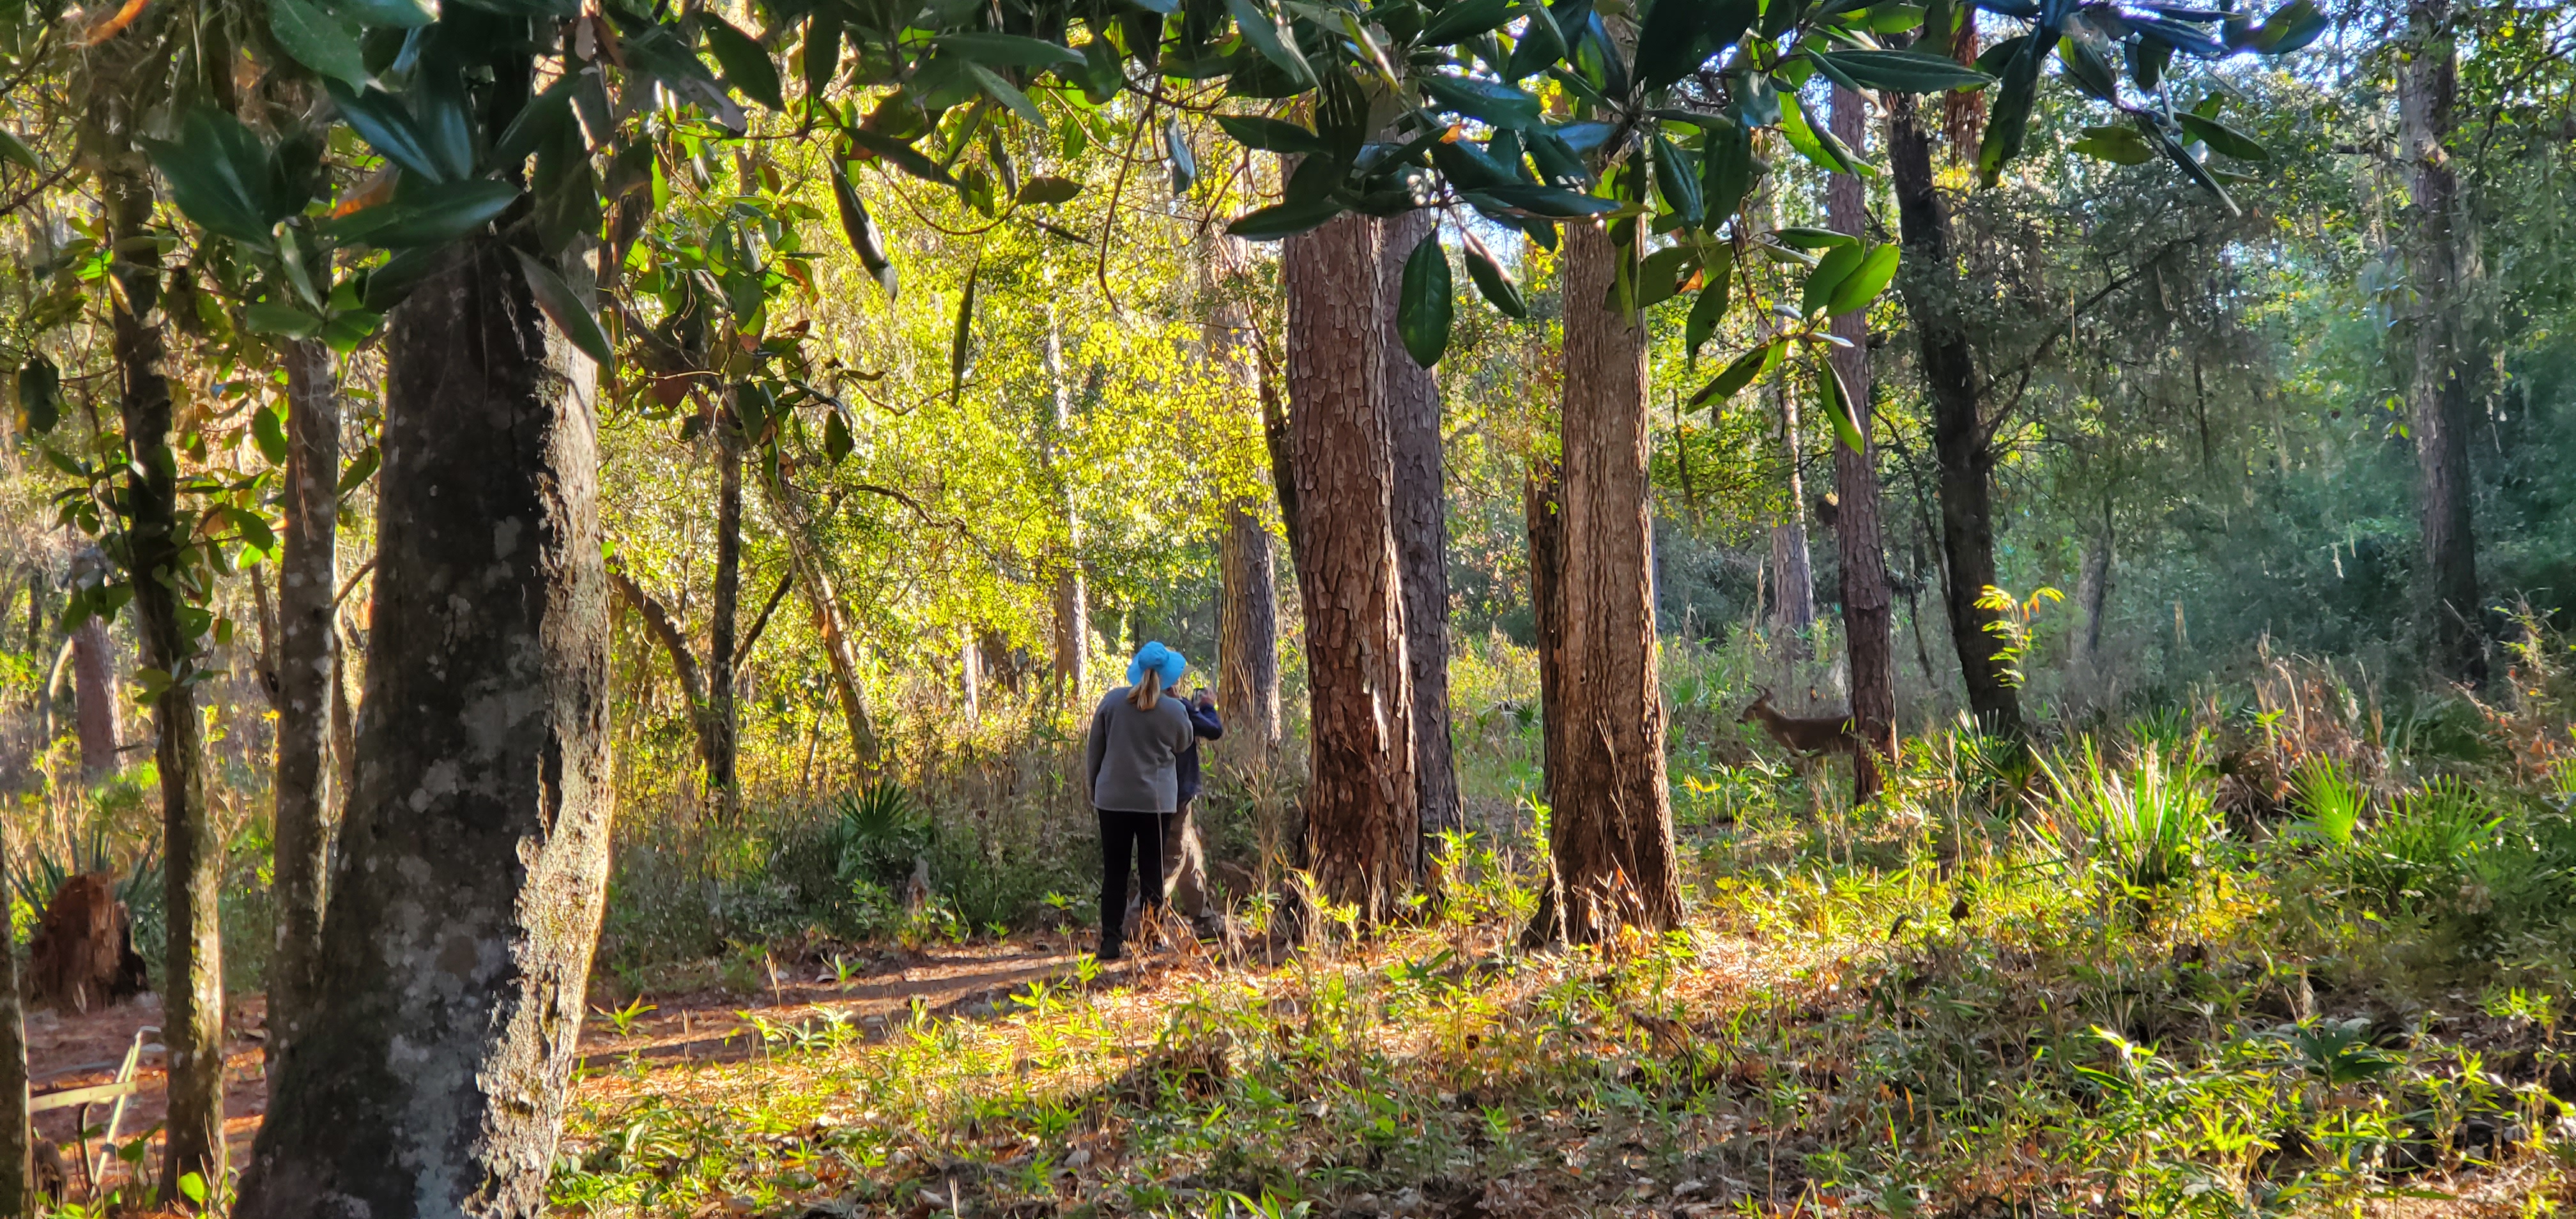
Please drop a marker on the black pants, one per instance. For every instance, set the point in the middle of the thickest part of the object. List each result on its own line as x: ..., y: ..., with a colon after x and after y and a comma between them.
x: 1119, y: 833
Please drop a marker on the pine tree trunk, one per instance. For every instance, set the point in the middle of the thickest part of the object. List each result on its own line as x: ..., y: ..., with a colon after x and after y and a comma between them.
x: 1247, y: 685
x: 723, y: 721
x: 1869, y: 617
x: 1610, y: 832
x: 2093, y: 590
x: 1792, y: 570
x: 1362, y: 825
x: 1962, y: 443
x: 1072, y: 598
x: 94, y: 700
x: 1421, y: 519
x: 2442, y: 340
x: 307, y: 659
x: 433, y: 1075
x: 1247, y: 682
x: 1543, y: 518
x: 192, y: 1003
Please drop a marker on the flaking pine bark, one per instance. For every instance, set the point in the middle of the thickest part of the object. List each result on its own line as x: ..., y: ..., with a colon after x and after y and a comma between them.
x: 432, y: 1077
x: 1869, y: 616
x: 2441, y: 339
x: 1247, y: 684
x: 1419, y: 515
x: 1361, y: 802
x: 1610, y: 828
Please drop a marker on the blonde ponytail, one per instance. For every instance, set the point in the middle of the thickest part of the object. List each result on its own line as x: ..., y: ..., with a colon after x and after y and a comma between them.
x: 1147, y: 693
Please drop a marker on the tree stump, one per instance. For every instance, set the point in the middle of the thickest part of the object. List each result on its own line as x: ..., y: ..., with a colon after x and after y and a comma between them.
x: 83, y: 951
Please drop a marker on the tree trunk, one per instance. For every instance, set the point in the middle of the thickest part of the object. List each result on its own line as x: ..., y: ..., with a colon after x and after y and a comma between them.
x: 666, y: 631
x: 1072, y: 599
x: 17, y: 1169
x: 1962, y: 442
x: 2442, y: 342
x: 1610, y: 831
x: 192, y: 1003
x: 1543, y: 519
x: 723, y: 721
x: 307, y: 657
x: 2093, y: 590
x: 94, y: 700
x: 1362, y: 825
x: 1420, y: 516
x: 1792, y: 573
x: 1869, y: 617
x: 1247, y: 682
x: 433, y: 1076
x: 814, y: 582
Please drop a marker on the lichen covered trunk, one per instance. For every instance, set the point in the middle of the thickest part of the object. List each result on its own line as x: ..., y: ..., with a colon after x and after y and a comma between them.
x: 433, y: 1075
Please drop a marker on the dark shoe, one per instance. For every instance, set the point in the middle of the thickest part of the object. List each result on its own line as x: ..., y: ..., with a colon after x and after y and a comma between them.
x: 1111, y: 952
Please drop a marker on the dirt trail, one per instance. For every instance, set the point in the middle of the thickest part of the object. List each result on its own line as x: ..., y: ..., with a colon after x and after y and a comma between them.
x: 70, y: 1050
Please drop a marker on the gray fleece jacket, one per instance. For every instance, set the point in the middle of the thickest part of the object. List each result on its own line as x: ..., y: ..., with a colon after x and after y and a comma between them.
x: 1133, y: 754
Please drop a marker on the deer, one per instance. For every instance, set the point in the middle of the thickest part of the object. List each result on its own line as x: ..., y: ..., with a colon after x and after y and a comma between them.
x: 1803, y: 736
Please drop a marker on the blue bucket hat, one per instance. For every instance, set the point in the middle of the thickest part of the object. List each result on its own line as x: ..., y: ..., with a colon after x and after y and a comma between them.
x: 1166, y: 665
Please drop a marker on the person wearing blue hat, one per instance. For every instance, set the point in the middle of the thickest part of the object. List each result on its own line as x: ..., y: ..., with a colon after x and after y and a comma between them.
x: 1132, y: 762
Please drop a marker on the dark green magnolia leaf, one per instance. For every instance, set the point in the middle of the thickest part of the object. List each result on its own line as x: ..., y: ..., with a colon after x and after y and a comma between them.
x: 1901, y: 71
x: 1801, y: 237
x: 2222, y: 139
x: 1283, y: 219
x: 1876, y: 270
x: 382, y: 122
x: 1492, y: 282
x: 1994, y: 59
x: 1049, y: 189
x: 1271, y: 135
x: 556, y: 300
x: 254, y: 529
x: 836, y: 438
x: 1541, y: 43
x: 1838, y: 405
x: 1263, y: 31
x: 428, y: 216
x: 1727, y: 169
x: 747, y: 65
x: 274, y: 317
x: 1739, y: 373
x: 1555, y: 203
x: 389, y: 284
x: 1185, y: 167
x: 821, y: 58
x: 269, y: 433
x: 1710, y: 308
x: 219, y: 175
x: 318, y: 40
x: 361, y: 468
x: 16, y: 153
x: 1003, y: 91
x: 1670, y: 42
x: 961, y: 343
x: 1009, y: 51
x: 398, y: 14
x: 1677, y: 180
x: 347, y: 329
x: 1495, y: 103
x: 900, y: 154
x: 40, y: 395
x: 2119, y: 145
x: 1663, y: 273
x: 1463, y: 19
x: 2009, y: 119
x: 2086, y: 67
x: 2292, y: 26
x: 861, y: 229
x: 1423, y: 310
x: 536, y: 123
x: 2189, y: 164
x: 1837, y: 265
x: 1817, y: 145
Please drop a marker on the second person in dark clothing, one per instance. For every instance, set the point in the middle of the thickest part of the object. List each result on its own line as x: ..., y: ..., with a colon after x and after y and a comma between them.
x: 1184, y: 859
